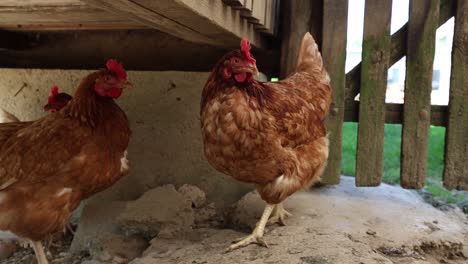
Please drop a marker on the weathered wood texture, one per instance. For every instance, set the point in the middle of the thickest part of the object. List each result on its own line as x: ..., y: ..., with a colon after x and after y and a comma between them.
x: 271, y: 17
x: 208, y: 21
x: 456, y: 146
x: 335, y: 16
x: 375, y: 62
x: 137, y: 49
x: 394, y: 113
x: 58, y: 15
x: 296, y: 22
x: 422, y: 25
x: 262, y: 13
x: 398, y: 49
x: 147, y: 16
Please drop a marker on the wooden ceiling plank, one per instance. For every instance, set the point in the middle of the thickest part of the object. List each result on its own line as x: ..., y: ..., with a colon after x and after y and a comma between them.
x: 133, y: 11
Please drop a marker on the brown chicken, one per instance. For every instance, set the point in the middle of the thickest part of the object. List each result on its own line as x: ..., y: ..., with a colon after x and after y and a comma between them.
x: 49, y: 166
x: 56, y: 100
x: 270, y: 134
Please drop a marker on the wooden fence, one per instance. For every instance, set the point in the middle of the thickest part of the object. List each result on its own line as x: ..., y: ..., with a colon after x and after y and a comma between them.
x: 380, y: 50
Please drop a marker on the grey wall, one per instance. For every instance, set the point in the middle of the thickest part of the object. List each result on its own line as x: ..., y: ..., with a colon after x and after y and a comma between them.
x: 163, y: 110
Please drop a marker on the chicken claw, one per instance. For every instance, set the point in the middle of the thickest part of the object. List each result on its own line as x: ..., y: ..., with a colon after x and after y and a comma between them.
x: 257, y: 235
x: 278, y: 215
x: 245, y: 241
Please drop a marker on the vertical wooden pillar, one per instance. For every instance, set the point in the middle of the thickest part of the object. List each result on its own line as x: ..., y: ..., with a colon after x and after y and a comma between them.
x: 422, y: 25
x: 296, y: 22
x: 374, y: 68
x: 456, y: 141
x: 335, y: 16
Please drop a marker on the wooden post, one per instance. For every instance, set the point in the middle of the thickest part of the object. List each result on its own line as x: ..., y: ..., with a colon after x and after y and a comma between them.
x: 375, y: 62
x: 296, y: 16
x: 335, y: 16
x: 456, y: 144
x: 422, y: 25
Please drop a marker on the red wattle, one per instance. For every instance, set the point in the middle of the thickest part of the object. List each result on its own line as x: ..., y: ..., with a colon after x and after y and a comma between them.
x: 240, y: 77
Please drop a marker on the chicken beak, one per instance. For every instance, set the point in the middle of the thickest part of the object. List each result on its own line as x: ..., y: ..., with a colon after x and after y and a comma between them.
x: 127, y: 84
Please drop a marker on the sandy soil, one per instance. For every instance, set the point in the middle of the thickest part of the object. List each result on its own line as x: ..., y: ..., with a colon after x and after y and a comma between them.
x: 341, y: 224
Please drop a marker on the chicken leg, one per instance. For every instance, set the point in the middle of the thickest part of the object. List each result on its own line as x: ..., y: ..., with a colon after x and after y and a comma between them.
x: 257, y: 235
x: 39, y: 251
x: 278, y: 215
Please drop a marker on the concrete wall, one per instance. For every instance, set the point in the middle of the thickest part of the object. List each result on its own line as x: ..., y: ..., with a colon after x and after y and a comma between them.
x: 163, y: 110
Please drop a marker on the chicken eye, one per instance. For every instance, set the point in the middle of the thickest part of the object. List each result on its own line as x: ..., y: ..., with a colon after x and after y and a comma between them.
x: 236, y: 61
x: 108, y: 78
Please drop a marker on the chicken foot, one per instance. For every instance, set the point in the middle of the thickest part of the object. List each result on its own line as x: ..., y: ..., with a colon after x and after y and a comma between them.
x: 257, y: 235
x: 278, y: 215
x: 39, y: 251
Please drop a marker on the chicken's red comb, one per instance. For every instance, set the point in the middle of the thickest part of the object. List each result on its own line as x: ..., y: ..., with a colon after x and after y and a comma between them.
x: 245, y: 48
x: 117, y: 69
x: 53, y: 92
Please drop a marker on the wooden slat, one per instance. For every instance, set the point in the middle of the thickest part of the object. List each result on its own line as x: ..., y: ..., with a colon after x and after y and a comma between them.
x: 258, y: 12
x: 246, y: 9
x: 334, y: 56
x: 375, y: 60
x: 456, y: 148
x: 270, y: 17
x: 210, y: 22
x: 398, y: 50
x: 58, y: 15
x: 422, y: 25
x: 394, y: 113
x: 214, y: 12
x: 234, y: 3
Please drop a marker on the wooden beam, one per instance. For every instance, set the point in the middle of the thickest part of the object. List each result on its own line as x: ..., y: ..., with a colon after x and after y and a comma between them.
x: 394, y: 114
x: 375, y: 62
x: 335, y: 17
x: 422, y: 26
x: 16, y: 40
x: 398, y: 49
x: 137, y: 49
x: 43, y: 15
x: 141, y: 14
x: 456, y: 144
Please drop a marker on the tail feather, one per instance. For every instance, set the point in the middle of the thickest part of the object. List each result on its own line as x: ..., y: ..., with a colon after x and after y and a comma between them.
x: 6, y: 117
x: 310, y: 59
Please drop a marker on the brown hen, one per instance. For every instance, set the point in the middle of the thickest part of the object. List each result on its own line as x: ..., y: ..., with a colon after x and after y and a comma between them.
x: 50, y: 165
x: 270, y: 134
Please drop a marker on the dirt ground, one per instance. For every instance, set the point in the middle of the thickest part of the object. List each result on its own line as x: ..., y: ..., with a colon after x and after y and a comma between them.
x: 340, y: 224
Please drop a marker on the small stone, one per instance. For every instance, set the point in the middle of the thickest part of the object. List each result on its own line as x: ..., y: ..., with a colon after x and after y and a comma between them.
x: 465, y: 251
x: 294, y: 251
x: 371, y: 232
x: 7, y: 249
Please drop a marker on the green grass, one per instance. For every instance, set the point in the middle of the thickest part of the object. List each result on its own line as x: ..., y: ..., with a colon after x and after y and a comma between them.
x: 392, y: 145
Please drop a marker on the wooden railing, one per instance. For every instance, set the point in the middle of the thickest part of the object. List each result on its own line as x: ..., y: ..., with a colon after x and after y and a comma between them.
x: 380, y: 50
